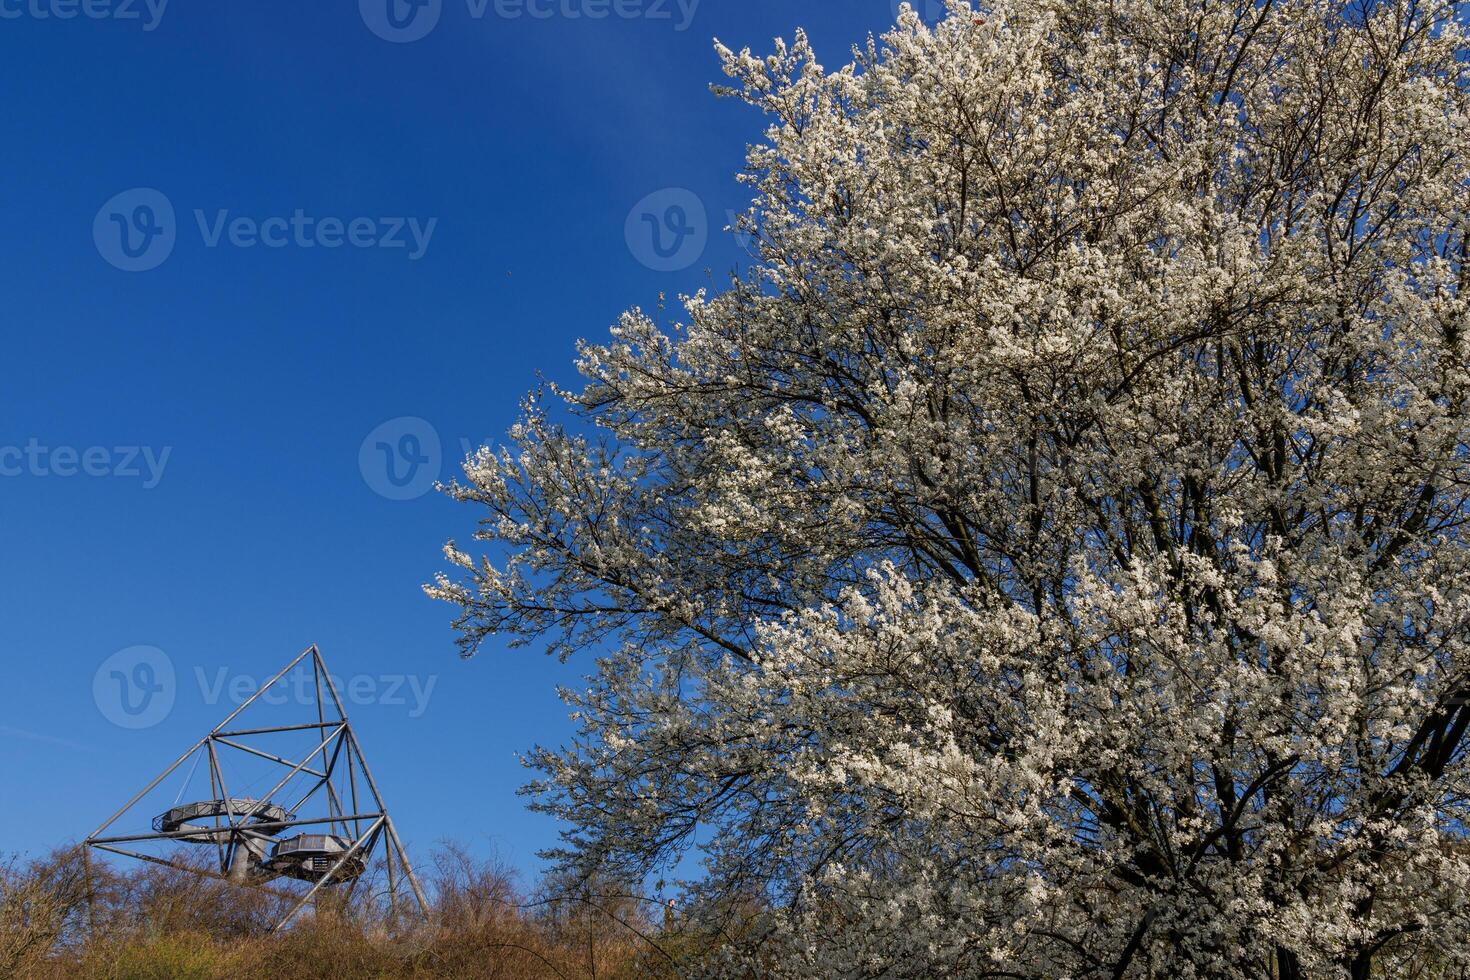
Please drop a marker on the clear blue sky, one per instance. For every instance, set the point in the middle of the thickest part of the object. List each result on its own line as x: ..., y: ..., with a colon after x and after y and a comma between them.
x: 259, y: 370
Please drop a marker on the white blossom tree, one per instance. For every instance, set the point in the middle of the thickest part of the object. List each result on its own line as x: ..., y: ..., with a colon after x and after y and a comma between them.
x: 1050, y: 559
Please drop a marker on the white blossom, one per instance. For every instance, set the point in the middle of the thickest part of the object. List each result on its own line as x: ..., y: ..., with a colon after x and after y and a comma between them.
x: 1050, y: 560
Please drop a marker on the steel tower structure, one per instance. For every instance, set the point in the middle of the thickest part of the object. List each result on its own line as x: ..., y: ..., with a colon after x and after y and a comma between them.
x: 326, y: 835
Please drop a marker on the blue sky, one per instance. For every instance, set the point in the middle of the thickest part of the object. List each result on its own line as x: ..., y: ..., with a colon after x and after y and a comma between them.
x: 185, y: 454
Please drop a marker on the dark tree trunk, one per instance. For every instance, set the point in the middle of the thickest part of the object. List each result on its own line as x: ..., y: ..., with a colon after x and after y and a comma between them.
x: 1288, y: 967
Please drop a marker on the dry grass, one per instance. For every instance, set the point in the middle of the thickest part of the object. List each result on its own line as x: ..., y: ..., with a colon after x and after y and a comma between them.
x: 56, y: 921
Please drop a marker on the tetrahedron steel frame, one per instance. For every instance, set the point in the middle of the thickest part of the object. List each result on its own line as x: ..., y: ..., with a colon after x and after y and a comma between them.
x: 242, y: 830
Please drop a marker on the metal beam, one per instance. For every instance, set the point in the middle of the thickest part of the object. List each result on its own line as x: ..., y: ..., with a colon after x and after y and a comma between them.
x: 149, y: 788
x: 234, y: 829
x: 184, y: 834
x: 263, y: 688
x: 239, y: 732
x: 346, y: 855
x: 152, y: 859
x: 266, y: 755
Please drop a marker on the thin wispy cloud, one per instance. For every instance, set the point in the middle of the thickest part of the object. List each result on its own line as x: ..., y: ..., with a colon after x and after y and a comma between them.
x: 7, y: 731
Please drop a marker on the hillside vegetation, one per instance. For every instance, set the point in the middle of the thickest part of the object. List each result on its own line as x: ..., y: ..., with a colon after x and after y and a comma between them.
x: 60, y: 920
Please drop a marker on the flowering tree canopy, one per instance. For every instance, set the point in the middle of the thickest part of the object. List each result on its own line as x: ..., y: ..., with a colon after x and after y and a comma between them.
x: 1050, y: 559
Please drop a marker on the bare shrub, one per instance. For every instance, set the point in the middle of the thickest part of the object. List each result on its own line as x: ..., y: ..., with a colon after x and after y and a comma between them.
x: 60, y: 918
